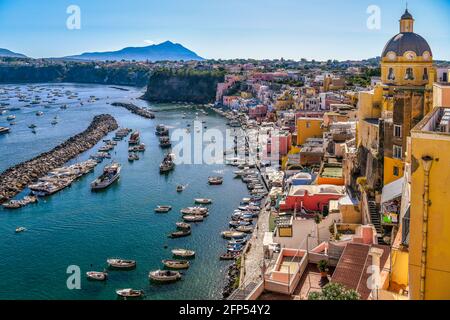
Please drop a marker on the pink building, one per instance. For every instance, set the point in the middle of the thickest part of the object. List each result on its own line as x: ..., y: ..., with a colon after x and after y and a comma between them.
x: 279, y: 143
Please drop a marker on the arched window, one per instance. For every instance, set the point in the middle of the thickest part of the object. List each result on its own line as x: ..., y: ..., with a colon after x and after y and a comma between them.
x: 391, y: 75
x: 425, y: 74
x: 409, y: 74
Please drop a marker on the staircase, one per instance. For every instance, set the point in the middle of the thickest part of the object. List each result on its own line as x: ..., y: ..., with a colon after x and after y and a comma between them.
x: 375, y: 218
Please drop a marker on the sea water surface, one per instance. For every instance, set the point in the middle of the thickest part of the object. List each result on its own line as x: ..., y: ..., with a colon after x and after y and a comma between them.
x: 82, y: 228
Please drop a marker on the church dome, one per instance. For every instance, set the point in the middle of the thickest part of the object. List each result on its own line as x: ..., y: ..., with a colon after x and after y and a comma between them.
x: 407, y: 41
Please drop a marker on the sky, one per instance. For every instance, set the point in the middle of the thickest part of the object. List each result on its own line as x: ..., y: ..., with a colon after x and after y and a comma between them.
x: 259, y: 29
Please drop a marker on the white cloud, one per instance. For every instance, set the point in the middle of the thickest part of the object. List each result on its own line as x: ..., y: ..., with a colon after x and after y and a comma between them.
x: 149, y: 42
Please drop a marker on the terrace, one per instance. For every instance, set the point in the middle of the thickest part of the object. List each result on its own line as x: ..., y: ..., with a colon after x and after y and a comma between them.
x: 288, y: 269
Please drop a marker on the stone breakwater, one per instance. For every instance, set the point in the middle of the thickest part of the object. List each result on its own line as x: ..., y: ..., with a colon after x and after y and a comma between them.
x: 16, y: 178
x: 135, y: 109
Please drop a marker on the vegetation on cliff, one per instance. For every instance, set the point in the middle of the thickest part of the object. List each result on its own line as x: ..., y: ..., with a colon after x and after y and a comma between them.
x: 186, y: 85
x: 29, y: 71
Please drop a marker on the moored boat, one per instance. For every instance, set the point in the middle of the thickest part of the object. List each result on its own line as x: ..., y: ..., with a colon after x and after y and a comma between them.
x: 214, y: 181
x: 176, y: 264
x: 195, y: 211
x: 203, y: 201
x: 164, y: 276
x: 97, y: 276
x: 135, y: 138
x: 121, y: 263
x: 180, y: 234
x: 193, y: 218
x: 4, y: 130
x: 163, y: 209
x: 229, y: 256
x: 183, y: 225
x: 245, y: 229
x: 110, y: 174
x: 184, y: 253
x: 231, y: 234
x: 130, y: 293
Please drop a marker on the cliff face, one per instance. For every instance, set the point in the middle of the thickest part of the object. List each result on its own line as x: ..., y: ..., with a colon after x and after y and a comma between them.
x: 75, y: 72
x: 183, y: 85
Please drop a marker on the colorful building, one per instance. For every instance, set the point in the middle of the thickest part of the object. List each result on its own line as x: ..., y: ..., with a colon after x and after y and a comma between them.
x: 429, y: 228
x: 308, y: 128
x: 311, y: 198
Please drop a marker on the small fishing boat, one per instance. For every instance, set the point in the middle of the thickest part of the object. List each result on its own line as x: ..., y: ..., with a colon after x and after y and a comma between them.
x: 229, y: 256
x: 180, y: 234
x: 4, y: 130
x: 20, y: 229
x: 231, y: 234
x: 184, y: 253
x: 203, y: 201
x: 11, y: 117
x: 201, y: 211
x: 164, y: 276
x: 163, y: 209
x: 237, y: 241
x: 215, y: 181
x: 32, y: 126
x: 39, y: 113
x: 180, y: 188
x: 97, y: 276
x: 183, y: 226
x: 130, y: 293
x: 121, y: 263
x: 176, y: 264
x: 193, y: 218
x: 245, y: 229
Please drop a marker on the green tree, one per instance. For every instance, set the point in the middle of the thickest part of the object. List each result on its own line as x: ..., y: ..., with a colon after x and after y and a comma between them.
x: 334, y: 291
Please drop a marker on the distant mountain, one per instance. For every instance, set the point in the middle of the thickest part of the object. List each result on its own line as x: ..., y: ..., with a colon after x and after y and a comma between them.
x: 164, y: 51
x: 8, y: 53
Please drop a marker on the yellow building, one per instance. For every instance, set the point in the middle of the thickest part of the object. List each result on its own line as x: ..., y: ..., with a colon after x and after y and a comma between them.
x: 285, y: 101
x: 388, y: 112
x: 308, y: 128
x: 429, y: 230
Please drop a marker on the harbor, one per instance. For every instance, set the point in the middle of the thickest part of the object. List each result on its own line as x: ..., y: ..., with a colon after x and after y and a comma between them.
x: 90, y: 227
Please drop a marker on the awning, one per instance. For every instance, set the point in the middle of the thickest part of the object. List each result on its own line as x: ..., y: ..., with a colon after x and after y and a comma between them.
x: 392, y: 190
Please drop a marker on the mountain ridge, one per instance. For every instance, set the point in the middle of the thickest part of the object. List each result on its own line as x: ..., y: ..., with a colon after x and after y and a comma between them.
x: 166, y: 51
x: 8, y: 53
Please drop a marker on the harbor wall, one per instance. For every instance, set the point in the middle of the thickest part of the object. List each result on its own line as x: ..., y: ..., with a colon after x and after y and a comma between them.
x: 16, y: 178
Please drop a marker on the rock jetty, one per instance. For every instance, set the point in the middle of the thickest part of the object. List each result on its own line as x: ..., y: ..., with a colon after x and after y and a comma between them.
x: 16, y: 178
x: 135, y: 109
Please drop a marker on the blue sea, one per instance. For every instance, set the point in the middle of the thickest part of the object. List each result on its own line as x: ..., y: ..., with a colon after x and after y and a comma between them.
x: 82, y: 228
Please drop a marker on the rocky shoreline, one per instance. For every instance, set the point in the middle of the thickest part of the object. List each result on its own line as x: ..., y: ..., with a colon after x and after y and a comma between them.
x: 16, y: 178
x: 232, y: 281
x: 135, y: 109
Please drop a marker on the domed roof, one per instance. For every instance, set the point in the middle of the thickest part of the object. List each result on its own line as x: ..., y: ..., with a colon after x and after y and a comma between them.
x: 407, y: 41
